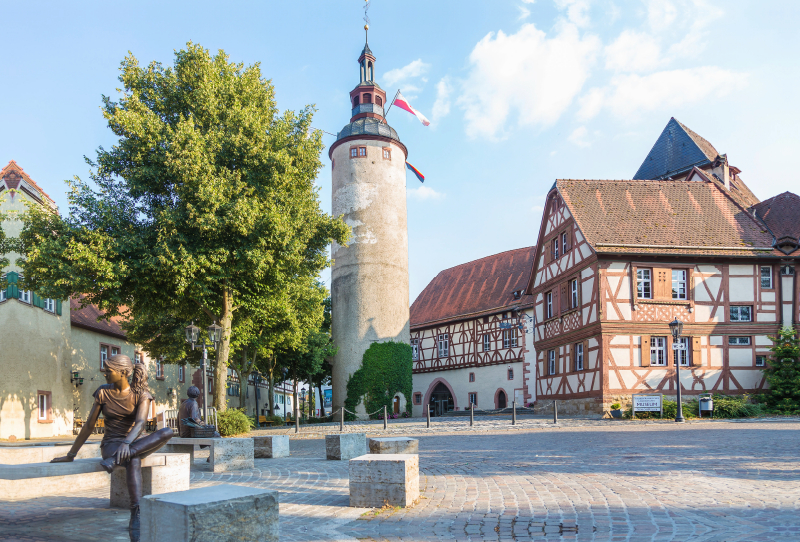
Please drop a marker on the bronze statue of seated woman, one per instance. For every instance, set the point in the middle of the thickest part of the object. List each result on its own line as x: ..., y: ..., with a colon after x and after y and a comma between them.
x: 124, y: 406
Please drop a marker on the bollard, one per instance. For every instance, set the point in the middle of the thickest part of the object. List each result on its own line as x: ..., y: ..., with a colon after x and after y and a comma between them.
x: 341, y: 420
x: 555, y: 411
x: 514, y: 413
x: 428, y: 413
x: 385, y: 422
x: 471, y: 414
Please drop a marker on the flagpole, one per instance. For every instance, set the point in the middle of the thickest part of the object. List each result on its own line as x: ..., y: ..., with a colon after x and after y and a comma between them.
x: 390, y: 105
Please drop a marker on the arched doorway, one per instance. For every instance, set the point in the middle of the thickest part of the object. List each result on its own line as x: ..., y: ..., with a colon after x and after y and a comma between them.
x: 502, y: 401
x: 441, y: 400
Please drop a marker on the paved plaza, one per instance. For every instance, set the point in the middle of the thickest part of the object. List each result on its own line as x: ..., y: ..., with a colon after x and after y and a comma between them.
x: 580, y: 480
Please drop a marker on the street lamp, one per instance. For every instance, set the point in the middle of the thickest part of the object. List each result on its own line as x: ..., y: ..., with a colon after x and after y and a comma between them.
x: 303, y: 399
x: 676, y: 326
x: 283, y: 385
x: 193, y: 338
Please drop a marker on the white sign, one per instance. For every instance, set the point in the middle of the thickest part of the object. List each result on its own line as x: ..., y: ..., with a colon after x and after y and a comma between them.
x: 679, y: 346
x: 646, y: 403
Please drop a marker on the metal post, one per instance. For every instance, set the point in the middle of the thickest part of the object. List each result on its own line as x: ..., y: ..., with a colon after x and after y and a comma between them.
x: 385, y: 422
x: 514, y: 413
x: 428, y: 414
x: 205, y: 385
x: 679, y: 414
x: 341, y: 420
x: 471, y: 414
x: 555, y: 411
x: 296, y: 418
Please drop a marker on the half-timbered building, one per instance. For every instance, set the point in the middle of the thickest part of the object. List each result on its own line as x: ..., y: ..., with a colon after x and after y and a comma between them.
x: 617, y: 260
x: 468, y: 338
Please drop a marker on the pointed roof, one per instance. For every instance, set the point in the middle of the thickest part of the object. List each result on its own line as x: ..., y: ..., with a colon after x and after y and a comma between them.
x: 366, y: 51
x: 676, y: 150
x: 13, y: 170
x: 781, y: 214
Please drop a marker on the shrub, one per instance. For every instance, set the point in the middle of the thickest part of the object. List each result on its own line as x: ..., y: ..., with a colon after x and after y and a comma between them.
x: 385, y: 370
x: 783, y: 373
x: 615, y: 406
x: 233, y: 422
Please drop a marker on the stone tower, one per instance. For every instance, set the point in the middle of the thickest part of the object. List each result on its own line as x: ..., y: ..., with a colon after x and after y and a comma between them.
x: 369, y: 287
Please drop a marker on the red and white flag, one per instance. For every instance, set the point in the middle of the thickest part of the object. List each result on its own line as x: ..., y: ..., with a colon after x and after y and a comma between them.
x: 402, y: 103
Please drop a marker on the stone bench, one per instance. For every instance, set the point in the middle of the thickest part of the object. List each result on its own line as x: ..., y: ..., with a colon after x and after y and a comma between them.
x: 160, y: 472
x: 43, y: 453
x: 225, y: 454
x: 221, y: 513
x: 393, y: 445
x: 377, y: 480
x: 271, y: 446
x: 344, y: 446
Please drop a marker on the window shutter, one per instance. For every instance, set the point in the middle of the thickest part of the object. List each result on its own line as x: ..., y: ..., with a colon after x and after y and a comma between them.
x: 12, y: 292
x: 58, y: 307
x: 564, y: 298
x: 36, y: 301
x: 697, y: 358
x: 662, y: 283
x: 645, y: 350
x: 586, y: 354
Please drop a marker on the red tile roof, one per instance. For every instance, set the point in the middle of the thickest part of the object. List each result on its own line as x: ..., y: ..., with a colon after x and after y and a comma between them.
x: 695, y: 215
x: 781, y: 214
x: 479, y: 287
x: 13, y: 167
x: 89, y: 318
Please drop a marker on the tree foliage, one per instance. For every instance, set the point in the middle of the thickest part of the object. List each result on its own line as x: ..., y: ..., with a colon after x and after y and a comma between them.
x: 205, y: 203
x: 385, y: 370
x: 783, y: 373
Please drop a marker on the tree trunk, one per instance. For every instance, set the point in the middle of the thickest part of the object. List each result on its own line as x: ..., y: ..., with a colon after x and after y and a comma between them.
x: 295, y: 402
x: 271, y: 381
x: 221, y: 369
x: 321, y: 401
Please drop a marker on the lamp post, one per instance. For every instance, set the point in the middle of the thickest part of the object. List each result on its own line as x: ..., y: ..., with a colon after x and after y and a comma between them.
x: 676, y: 326
x: 283, y: 385
x: 303, y: 400
x: 214, y: 336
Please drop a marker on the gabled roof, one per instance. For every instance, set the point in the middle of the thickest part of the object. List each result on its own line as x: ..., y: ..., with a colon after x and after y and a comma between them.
x: 664, y: 217
x: 13, y: 171
x: 781, y: 214
x: 89, y: 318
x: 676, y: 150
x: 478, y: 287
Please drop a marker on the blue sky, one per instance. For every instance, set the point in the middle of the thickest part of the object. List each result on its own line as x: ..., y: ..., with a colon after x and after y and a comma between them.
x: 519, y: 92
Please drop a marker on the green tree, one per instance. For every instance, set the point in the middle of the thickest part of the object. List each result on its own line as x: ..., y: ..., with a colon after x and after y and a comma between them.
x: 783, y: 373
x: 206, y: 199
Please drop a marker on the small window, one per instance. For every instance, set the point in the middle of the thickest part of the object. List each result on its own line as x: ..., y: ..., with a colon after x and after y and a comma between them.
x: 555, y: 248
x: 25, y: 296
x: 103, y: 356
x: 741, y: 313
x: 137, y: 357
x: 644, y: 283
x: 510, y: 338
x: 564, y: 244
x: 417, y: 398
x: 160, y: 369
x: 354, y: 152
x: 658, y: 351
x: 549, y: 302
x: 573, y: 289
x: 378, y: 100
x: 368, y: 97
x: 444, y: 345
x: 387, y: 153
x: 678, y: 284
x: 579, y: 356
x: 181, y: 373
x: 355, y: 101
x: 761, y: 361
x: 114, y: 351
x: 487, y: 342
x: 362, y: 151
x: 739, y: 341
x: 415, y: 349
x: 472, y: 377
x: 766, y: 277
x: 473, y: 398
x: 44, y: 405
x: 683, y: 355
x: 2, y: 295
x: 49, y: 305
x: 511, y: 374
x: 551, y: 362
x: 787, y: 270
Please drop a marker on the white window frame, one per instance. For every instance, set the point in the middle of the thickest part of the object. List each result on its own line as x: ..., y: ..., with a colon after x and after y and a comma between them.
x: 549, y: 302
x: 658, y: 351
x: 737, y: 310
x: 114, y: 351
x: 103, y: 355
x: 487, y: 342
x: 181, y: 373
x: 444, y: 345
x: 42, y: 403
x: 573, y: 291
x: 551, y: 362
x: 50, y: 305
x: 555, y: 248
x: 564, y: 243
x: 2, y: 295
x: 579, y: 356
x: 679, y: 286
x: 766, y: 278
x: 387, y: 154
x: 739, y: 341
x: 763, y: 360
x: 683, y: 355
x: 509, y: 338
x: 25, y: 296
x: 159, y: 368
x: 415, y: 349
x: 644, y: 283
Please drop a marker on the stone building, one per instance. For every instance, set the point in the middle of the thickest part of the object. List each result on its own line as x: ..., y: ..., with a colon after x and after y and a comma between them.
x: 369, y: 278
x: 617, y: 260
x: 470, y: 336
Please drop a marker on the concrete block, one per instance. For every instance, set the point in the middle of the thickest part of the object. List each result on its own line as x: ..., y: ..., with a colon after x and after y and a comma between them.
x: 271, y: 446
x: 226, y: 453
x: 42, y: 453
x: 376, y: 480
x: 345, y: 446
x: 393, y: 445
x: 222, y: 513
x: 157, y: 478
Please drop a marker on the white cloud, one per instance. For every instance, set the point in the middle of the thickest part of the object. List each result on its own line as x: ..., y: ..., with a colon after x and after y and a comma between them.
x: 590, y: 103
x: 441, y: 107
x: 537, y: 75
x: 424, y: 193
x: 409, y: 71
x: 524, y: 13
x: 578, y: 137
x: 528, y: 1
x: 633, y: 52
x: 577, y: 11
x: 688, y: 19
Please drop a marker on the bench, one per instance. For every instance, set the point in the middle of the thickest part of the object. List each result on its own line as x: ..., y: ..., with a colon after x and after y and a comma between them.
x: 225, y: 454
x: 44, y: 452
x: 262, y: 420
x: 160, y: 472
x: 221, y: 513
x: 377, y: 480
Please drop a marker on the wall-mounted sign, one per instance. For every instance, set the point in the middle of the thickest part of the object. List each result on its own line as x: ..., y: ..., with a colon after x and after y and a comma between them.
x: 647, y: 403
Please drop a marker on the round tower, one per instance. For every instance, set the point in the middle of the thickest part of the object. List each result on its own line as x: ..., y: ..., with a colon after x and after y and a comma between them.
x: 369, y: 287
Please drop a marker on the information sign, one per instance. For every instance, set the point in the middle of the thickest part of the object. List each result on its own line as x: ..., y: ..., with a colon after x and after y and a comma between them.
x: 646, y: 403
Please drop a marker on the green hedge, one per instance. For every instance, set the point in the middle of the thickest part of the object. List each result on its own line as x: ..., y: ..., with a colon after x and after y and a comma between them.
x: 233, y: 421
x: 725, y: 406
x: 385, y: 370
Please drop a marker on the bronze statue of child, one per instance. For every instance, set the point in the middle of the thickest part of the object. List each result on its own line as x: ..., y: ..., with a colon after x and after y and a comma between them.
x: 124, y: 406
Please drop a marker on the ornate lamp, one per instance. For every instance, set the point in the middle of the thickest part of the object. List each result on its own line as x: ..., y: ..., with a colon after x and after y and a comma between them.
x: 215, y: 333
x: 192, y: 334
x: 676, y: 327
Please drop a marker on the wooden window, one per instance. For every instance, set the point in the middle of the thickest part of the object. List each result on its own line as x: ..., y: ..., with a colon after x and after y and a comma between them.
x: 511, y: 374
x: 472, y: 377
x: 573, y: 294
x: 487, y: 342
x: 510, y: 338
x: 766, y: 277
x: 555, y: 248
x: 644, y: 283
x: 761, y: 361
x: 415, y: 349
x: 362, y: 152
x: 683, y: 355
x: 368, y: 97
x: 549, y: 302
x: 645, y: 350
x: 160, y: 369
x: 564, y: 242
x: 387, y: 153
x: 697, y: 358
x: 353, y: 152
x: 417, y: 398
x: 137, y: 357
x: 114, y: 351
x: 45, y: 404
x: 662, y: 284
x: 181, y: 373
x: 739, y: 341
x: 444, y: 345
x: 473, y: 398
x: 551, y: 362
x: 741, y: 313
x: 378, y: 100
x: 678, y: 284
x: 579, y: 352
x: 658, y: 351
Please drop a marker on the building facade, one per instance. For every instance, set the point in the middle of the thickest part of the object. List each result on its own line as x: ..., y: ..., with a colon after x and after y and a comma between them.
x: 470, y: 336
x: 618, y: 260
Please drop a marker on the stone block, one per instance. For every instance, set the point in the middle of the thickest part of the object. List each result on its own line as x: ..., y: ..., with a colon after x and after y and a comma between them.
x: 376, y: 480
x: 221, y: 513
x: 172, y: 475
x: 393, y: 445
x: 345, y: 446
x: 226, y: 453
x: 271, y: 446
x: 42, y: 453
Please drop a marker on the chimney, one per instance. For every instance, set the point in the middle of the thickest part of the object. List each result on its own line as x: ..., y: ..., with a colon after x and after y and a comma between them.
x: 726, y: 172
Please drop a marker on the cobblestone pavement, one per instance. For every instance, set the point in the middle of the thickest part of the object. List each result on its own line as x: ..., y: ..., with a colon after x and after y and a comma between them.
x: 580, y: 480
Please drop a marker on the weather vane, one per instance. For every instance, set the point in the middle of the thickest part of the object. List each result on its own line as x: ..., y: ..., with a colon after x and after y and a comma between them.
x: 366, y: 17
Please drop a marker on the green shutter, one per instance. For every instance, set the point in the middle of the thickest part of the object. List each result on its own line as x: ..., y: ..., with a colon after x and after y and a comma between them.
x: 58, y: 307
x: 36, y: 301
x: 12, y: 292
